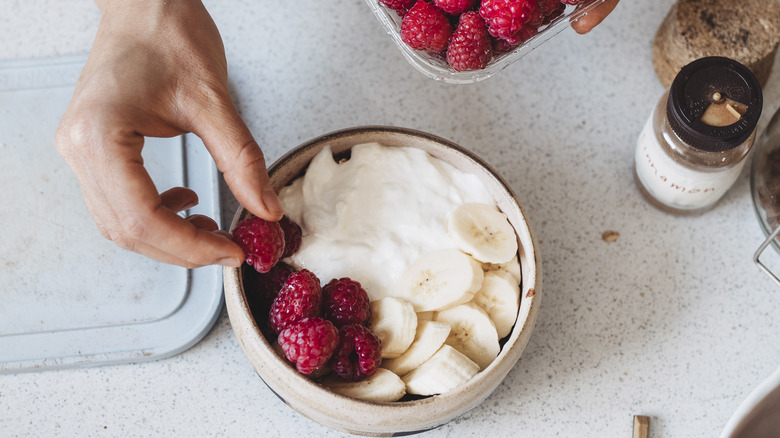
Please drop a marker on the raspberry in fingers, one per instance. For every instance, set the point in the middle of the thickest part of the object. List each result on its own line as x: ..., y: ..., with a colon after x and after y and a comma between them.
x: 158, y: 69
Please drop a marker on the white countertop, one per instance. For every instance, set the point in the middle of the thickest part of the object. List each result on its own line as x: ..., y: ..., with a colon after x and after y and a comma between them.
x: 672, y: 321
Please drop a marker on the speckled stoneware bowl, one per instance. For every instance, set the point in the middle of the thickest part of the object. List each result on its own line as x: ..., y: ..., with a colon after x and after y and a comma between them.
x: 398, y: 418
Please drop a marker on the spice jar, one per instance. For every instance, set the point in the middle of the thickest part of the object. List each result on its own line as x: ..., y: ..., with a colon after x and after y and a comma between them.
x: 695, y: 142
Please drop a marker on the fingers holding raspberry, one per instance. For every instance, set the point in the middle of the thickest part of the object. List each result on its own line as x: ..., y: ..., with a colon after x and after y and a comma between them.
x: 265, y: 242
x: 262, y: 242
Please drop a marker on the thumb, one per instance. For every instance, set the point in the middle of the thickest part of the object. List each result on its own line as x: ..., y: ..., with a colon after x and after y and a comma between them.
x: 239, y: 158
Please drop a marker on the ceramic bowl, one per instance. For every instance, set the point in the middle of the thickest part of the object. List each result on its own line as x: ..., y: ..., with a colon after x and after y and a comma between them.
x: 385, y: 419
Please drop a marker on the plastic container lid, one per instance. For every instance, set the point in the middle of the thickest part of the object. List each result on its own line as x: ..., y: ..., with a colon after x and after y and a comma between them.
x: 713, y: 80
x: 70, y: 297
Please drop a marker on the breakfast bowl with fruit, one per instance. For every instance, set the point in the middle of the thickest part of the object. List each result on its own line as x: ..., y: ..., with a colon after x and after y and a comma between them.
x: 400, y: 288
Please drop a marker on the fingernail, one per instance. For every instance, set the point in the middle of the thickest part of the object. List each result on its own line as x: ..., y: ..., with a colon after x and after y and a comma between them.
x: 230, y: 261
x: 271, y: 201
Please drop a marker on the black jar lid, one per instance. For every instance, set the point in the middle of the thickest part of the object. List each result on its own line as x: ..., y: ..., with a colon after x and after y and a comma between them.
x: 692, y: 93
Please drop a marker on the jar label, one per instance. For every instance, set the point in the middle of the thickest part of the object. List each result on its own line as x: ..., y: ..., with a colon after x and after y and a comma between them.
x: 673, y: 184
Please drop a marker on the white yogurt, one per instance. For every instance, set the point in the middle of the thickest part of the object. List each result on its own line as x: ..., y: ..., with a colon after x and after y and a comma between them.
x: 370, y: 217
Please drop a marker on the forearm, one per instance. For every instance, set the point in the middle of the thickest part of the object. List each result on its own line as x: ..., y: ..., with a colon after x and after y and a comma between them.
x: 144, y: 17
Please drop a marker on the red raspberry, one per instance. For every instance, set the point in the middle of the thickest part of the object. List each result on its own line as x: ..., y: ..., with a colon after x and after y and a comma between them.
x: 503, y: 46
x: 547, y: 7
x: 506, y: 17
x: 262, y: 288
x: 292, y: 236
x: 309, y: 343
x: 344, y: 302
x: 454, y: 7
x: 557, y: 12
x: 358, y: 355
x: 425, y: 28
x: 524, y: 35
x: 300, y: 297
x: 402, y: 11
x: 535, y: 18
x: 261, y: 240
x: 398, y: 5
x: 470, y: 46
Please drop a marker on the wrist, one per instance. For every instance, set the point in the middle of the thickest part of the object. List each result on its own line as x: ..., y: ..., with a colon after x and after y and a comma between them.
x: 140, y: 5
x: 143, y: 20
x: 104, y: 5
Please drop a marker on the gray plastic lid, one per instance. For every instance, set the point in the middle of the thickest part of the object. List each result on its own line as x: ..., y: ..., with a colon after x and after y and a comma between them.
x: 70, y: 297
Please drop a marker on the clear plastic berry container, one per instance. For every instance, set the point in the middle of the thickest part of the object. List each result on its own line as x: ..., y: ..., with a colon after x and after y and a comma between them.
x: 437, y: 68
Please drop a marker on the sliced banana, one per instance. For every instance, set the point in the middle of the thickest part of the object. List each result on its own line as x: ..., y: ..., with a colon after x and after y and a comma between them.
x: 429, y: 338
x: 500, y: 297
x: 444, y: 371
x: 512, y: 267
x: 482, y: 231
x: 472, y: 332
x: 382, y: 386
x: 439, y: 280
x: 394, y: 322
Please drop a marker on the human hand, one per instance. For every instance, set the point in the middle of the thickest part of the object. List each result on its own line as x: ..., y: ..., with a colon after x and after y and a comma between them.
x: 595, y: 17
x: 158, y: 69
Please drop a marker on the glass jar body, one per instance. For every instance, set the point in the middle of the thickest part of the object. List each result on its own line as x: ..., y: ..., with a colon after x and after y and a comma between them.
x: 677, y: 177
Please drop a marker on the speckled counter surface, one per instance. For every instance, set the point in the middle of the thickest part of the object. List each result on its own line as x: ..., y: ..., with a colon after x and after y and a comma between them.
x: 673, y: 320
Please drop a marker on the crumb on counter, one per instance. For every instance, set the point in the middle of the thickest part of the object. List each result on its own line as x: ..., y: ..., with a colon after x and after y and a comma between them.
x: 610, y: 236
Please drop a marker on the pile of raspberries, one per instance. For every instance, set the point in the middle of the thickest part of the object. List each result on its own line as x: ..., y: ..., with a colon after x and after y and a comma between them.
x: 467, y: 33
x: 319, y: 328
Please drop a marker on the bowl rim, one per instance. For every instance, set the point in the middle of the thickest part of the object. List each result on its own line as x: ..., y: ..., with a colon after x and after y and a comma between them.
x: 343, y: 415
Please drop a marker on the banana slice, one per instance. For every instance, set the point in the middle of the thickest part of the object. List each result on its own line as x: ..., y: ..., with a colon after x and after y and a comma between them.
x: 473, y: 333
x: 439, y: 280
x: 482, y: 231
x: 382, y: 386
x: 500, y: 297
x: 444, y: 371
x: 512, y: 267
x: 394, y: 322
x: 429, y: 338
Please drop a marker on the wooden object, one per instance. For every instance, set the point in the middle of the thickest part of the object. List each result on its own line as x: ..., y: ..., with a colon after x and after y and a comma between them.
x: 641, y: 426
x: 746, y: 30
